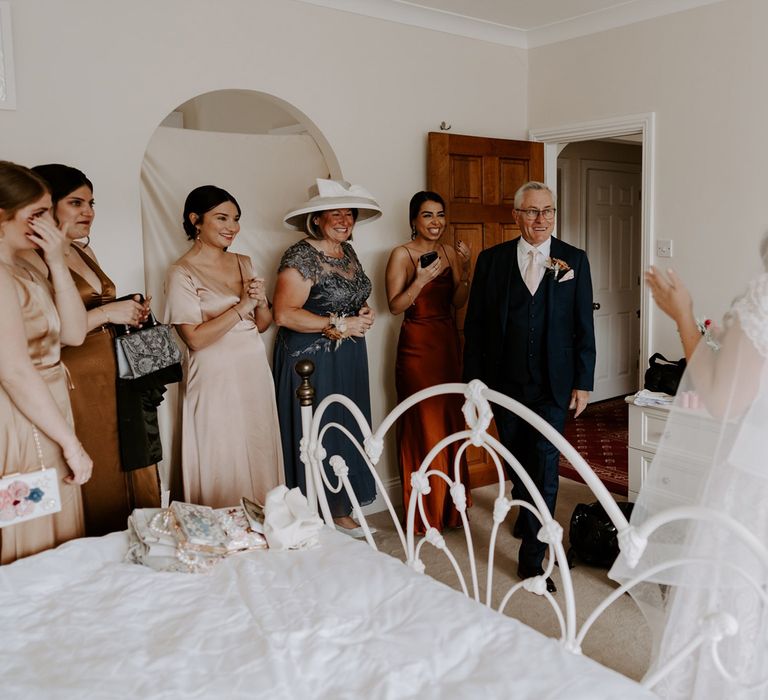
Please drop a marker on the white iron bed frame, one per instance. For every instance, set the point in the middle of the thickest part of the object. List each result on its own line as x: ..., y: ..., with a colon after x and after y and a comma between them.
x: 478, y: 415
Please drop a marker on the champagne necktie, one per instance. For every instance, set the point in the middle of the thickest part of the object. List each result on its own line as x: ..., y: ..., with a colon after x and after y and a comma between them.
x: 532, y: 273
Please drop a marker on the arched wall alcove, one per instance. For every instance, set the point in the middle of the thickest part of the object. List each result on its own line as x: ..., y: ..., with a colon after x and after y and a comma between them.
x: 262, y: 150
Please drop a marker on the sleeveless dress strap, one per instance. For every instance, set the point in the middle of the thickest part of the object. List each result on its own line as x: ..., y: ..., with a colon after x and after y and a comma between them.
x: 407, y: 250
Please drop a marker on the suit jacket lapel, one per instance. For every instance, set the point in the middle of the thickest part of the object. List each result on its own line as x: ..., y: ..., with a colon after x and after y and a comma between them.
x: 549, y: 275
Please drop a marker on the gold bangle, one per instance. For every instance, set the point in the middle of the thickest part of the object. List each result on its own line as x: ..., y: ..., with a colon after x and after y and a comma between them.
x: 410, y: 298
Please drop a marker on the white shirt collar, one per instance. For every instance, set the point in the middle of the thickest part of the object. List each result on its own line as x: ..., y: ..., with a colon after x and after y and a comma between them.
x: 523, y: 248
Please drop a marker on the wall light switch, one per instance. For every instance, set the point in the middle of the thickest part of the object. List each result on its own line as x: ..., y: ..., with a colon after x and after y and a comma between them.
x: 664, y: 249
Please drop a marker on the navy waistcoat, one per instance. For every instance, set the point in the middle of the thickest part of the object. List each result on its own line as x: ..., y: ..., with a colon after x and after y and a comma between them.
x: 525, y: 332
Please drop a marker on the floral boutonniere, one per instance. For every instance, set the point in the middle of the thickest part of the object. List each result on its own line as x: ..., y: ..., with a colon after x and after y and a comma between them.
x: 710, y: 331
x: 559, y: 267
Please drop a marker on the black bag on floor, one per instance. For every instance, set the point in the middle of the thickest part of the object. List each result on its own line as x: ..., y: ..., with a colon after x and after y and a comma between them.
x: 593, y: 537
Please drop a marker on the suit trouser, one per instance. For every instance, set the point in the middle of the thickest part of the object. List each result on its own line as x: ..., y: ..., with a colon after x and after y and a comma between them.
x: 537, y: 455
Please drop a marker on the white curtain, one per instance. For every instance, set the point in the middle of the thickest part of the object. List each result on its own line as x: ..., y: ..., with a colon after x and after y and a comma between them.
x: 268, y: 175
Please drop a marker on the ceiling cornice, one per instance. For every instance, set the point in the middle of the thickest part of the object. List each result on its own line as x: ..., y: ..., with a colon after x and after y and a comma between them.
x: 415, y: 15
x: 427, y: 18
x: 611, y: 18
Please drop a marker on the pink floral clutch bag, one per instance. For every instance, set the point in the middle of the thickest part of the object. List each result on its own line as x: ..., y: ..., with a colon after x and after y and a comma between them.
x: 28, y: 495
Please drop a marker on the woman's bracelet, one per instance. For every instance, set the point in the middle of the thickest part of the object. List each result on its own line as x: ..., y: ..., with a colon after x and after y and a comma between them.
x: 104, y: 312
x: 239, y: 315
x: 411, y: 300
x: 339, y: 323
x: 336, y: 328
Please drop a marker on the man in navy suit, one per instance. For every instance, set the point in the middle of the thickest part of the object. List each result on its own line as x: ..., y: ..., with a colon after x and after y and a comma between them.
x: 529, y: 333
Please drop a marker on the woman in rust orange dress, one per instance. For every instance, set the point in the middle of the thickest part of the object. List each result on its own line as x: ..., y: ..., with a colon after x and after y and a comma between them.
x: 112, y: 493
x: 428, y: 351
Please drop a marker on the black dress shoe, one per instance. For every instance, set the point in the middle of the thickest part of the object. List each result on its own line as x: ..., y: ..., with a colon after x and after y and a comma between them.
x: 524, y: 573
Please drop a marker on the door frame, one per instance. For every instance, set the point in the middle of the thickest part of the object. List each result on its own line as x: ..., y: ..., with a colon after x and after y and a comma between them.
x: 556, y: 138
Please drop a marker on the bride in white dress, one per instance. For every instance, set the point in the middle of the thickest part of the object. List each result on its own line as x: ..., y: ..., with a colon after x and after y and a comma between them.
x: 714, y: 453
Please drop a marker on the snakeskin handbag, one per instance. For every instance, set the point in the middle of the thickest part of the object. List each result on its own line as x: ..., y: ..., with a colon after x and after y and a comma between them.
x: 146, y: 350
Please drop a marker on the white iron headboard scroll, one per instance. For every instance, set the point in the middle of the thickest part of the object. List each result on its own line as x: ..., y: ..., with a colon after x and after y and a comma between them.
x: 478, y: 413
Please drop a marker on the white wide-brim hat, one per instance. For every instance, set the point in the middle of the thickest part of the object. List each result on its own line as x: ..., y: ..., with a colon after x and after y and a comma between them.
x: 333, y: 194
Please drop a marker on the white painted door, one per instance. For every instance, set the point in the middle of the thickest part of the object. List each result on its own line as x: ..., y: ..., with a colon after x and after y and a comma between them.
x: 613, y: 245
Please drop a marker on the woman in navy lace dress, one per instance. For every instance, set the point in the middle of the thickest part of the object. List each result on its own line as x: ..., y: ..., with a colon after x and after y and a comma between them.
x: 321, y: 308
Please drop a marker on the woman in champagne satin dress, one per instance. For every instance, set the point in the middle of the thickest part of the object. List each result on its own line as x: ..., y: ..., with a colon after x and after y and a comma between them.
x: 230, y: 442
x: 35, y: 316
x: 114, y: 490
x: 428, y: 351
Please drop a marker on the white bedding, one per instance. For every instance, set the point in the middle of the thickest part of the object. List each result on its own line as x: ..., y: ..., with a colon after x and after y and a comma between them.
x: 339, y: 621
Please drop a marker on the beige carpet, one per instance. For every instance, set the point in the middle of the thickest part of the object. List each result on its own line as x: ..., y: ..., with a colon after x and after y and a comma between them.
x: 619, y: 639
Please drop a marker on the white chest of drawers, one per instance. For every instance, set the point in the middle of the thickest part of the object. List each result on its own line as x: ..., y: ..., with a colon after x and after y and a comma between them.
x: 646, y: 427
x: 696, y: 442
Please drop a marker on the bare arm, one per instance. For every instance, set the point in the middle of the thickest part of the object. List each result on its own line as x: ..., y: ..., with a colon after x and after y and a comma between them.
x: 68, y: 303
x: 262, y: 314
x: 128, y: 312
x: 402, y: 293
x: 673, y: 298
x: 292, y: 292
x: 460, y: 260
x: 26, y: 388
x: 253, y: 297
x: 725, y: 380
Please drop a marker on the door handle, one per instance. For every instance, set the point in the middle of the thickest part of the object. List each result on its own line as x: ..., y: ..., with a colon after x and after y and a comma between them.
x: 595, y: 306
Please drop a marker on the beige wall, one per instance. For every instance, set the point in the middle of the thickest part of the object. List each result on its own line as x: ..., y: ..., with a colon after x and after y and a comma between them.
x: 95, y: 78
x: 701, y: 72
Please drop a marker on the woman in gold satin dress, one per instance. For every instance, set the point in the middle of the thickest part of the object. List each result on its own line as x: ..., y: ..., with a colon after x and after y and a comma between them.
x: 35, y: 316
x: 112, y: 493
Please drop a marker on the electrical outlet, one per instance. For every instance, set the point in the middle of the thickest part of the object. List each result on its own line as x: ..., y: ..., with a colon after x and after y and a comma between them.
x: 664, y: 249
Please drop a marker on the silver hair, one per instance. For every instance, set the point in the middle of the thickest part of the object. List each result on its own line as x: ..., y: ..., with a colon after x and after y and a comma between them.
x: 533, y: 185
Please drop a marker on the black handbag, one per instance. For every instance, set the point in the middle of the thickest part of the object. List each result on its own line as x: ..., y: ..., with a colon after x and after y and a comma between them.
x: 593, y: 537
x: 663, y: 374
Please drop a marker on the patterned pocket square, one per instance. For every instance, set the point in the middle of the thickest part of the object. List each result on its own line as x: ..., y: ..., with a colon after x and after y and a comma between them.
x: 567, y: 276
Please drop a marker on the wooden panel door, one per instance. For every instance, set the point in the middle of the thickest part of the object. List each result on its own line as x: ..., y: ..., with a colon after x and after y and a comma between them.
x: 478, y: 178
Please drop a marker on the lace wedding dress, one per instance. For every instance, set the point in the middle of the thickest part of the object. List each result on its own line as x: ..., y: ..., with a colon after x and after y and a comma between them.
x: 714, y: 453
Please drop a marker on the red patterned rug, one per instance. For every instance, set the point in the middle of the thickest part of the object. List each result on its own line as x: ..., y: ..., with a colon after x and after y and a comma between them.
x: 600, y: 436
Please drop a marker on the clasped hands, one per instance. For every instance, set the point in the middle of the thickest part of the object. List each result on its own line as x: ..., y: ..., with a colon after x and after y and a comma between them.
x: 254, y: 295
x: 341, y: 327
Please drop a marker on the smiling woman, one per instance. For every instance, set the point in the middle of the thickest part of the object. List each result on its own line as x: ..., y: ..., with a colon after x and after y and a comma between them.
x: 426, y: 281
x: 230, y: 442
x: 321, y: 307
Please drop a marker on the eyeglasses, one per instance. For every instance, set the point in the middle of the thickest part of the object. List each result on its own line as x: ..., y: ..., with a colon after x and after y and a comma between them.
x: 532, y: 214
